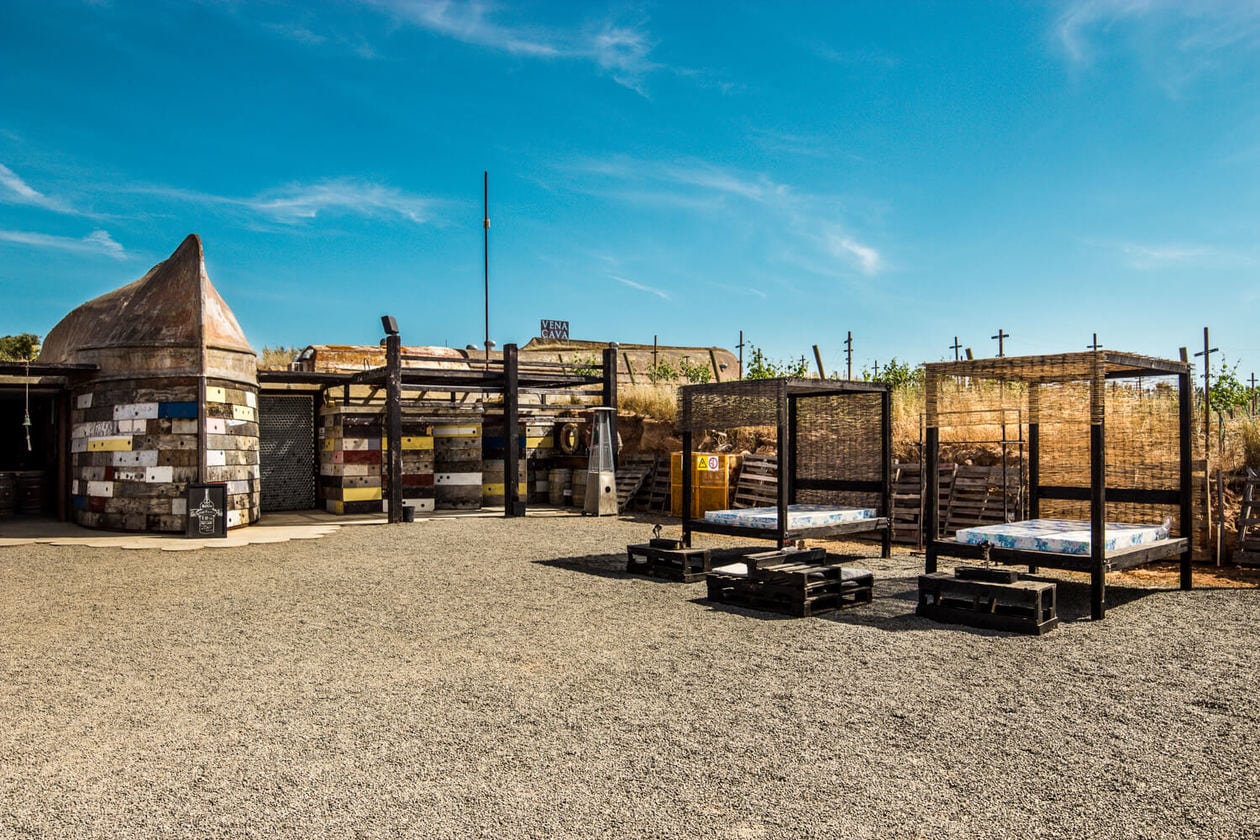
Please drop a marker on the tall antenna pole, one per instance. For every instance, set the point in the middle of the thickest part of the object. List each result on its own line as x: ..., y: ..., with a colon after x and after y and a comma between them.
x: 485, y: 224
x: 848, y: 356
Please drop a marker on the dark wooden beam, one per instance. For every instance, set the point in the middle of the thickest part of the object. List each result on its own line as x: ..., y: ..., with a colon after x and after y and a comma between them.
x: 513, y: 504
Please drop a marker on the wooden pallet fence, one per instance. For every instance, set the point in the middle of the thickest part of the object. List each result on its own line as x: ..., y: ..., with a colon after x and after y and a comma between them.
x: 457, y: 465
x: 1247, y: 551
x: 135, y: 446
x: 758, y: 482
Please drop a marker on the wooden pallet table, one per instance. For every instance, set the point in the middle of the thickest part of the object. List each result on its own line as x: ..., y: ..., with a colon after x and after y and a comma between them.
x: 667, y: 559
x: 1020, y: 606
x: 796, y: 583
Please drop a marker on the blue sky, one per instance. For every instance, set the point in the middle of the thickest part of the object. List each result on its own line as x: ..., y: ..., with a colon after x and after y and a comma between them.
x: 910, y: 172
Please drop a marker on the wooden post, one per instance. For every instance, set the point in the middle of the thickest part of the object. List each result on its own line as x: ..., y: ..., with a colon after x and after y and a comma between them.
x: 929, y: 526
x: 1097, y: 493
x: 1185, y: 398
x: 629, y: 368
x: 1097, y: 521
x: 513, y: 504
x: 787, y: 457
x: 1208, y: 350
x: 1034, y: 451
x: 822, y: 374
x: 885, y: 477
x: 717, y: 371
x: 393, y: 403
x: 687, y: 457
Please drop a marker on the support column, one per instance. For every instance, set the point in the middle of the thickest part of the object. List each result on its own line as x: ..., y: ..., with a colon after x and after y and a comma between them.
x: 930, y: 527
x: 1185, y: 400
x: 1097, y: 494
x: 885, y: 470
x: 393, y: 407
x: 513, y: 504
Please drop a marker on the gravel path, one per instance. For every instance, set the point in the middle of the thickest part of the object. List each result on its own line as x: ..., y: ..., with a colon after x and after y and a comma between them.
x: 503, y: 678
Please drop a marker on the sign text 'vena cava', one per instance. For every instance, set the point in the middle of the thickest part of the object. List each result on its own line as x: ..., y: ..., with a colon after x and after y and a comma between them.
x: 555, y: 329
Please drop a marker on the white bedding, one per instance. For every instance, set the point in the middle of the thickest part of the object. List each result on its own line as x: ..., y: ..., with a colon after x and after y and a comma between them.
x: 1060, y: 536
x: 799, y: 516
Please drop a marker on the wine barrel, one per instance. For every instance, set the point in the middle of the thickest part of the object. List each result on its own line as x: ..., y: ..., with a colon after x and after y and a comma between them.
x: 32, y: 492
x: 579, y: 488
x: 8, y: 493
x: 558, y: 484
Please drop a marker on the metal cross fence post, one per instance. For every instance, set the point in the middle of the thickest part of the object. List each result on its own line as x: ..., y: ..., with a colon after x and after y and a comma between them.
x: 1253, y: 394
x: 1095, y: 346
x: 956, y: 347
x: 848, y: 356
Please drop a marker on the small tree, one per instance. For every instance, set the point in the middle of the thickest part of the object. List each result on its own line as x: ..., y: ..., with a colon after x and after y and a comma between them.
x: 763, y: 367
x: 662, y: 372
x: 694, y: 373
x: 1227, y: 392
x: 19, y: 348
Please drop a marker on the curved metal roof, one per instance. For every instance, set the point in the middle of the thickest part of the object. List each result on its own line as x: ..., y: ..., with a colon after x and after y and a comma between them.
x: 174, y: 305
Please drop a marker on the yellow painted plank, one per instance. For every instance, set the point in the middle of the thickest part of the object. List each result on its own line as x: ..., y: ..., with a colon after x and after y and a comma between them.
x: 360, y: 494
x: 243, y: 412
x: 417, y: 442
x: 498, y: 489
x: 215, y: 394
x: 109, y: 444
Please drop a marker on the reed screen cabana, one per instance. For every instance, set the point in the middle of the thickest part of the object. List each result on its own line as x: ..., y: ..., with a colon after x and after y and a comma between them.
x: 1108, y: 439
x: 835, y: 448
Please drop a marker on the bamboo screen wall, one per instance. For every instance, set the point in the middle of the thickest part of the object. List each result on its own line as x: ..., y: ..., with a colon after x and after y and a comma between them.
x: 837, y: 433
x: 1055, y: 400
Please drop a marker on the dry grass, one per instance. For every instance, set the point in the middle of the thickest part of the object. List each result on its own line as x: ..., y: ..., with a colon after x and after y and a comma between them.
x: 659, y: 402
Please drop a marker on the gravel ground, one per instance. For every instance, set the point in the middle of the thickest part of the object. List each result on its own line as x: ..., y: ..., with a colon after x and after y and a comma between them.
x: 504, y: 678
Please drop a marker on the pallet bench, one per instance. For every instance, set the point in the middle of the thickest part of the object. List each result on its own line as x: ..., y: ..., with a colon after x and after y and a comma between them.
x: 988, y: 598
x: 796, y: 583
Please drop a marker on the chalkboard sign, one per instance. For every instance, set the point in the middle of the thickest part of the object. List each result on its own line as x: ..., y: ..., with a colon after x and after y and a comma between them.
x: 207, y: 510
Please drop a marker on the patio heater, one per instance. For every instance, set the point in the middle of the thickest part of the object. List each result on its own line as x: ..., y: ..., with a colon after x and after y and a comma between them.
x: 601, y: 477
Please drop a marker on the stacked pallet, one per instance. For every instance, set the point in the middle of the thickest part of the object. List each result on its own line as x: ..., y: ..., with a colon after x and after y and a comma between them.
x: 418, y: 489
x: 990, y: 598
x: 354, y: 457
x: 907, y: 504
x: 981, y: 496
x: 758, y: 483
x: 457, y: 462
x: 350, y: 460
x: 799, y: 583
x: 1247, y: 552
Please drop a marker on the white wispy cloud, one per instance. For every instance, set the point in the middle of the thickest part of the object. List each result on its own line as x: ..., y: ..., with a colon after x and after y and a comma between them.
x: 298, y: 203
x: 843, y: 246
x: 1157, y: 256
x: 640, y: 287
x: 1177, y: 41
x: 622, y: 52
x: 97, y: 242
x: 14, y: 190
x: 810, y: 223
